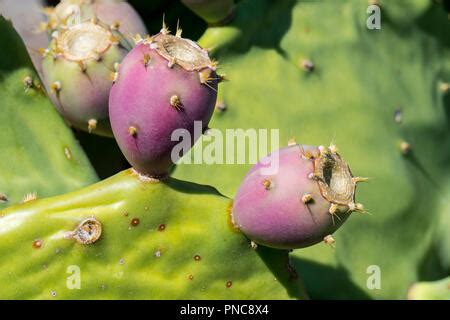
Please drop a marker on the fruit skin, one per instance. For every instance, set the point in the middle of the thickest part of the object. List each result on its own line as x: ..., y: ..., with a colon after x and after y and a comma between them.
x: 285, y: 209
x: 79, y: 89
x: 108, y: 11
x: 142, y: 113
x: 212, y: 11
x: 159, y: 240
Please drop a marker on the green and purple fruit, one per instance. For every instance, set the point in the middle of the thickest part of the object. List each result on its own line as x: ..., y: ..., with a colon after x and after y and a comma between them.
x: 117, y: 14
x: 307, y: 194
x: 78, y: 72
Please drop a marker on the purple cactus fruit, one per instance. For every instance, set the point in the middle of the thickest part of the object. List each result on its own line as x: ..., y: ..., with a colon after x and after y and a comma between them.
x: 116, y: 13
x: 78, y: 72
x: 303, y: 202
x: 165, y: 83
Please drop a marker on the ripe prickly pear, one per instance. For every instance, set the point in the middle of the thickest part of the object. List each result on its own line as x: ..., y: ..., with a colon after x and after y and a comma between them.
x: 117, y: 14
x: 165, y: 83
x: 303, y: 202
x: 212, y: 11
x: 78, y: 72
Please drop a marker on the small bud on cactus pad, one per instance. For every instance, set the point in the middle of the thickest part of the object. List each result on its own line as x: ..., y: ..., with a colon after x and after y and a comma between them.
x: 78, y: 72
x: 165, y: 83
x: 307, y: 198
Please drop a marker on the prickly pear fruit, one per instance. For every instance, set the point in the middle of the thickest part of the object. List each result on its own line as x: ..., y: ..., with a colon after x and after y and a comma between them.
x: 165, y: 83
x: 118, y: 14
x: 78, y: 72
x: 300, y: 203
x: 212, y: 11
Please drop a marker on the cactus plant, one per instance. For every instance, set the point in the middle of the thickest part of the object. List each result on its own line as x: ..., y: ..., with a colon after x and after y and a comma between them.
x: 313, y: 70
x: 89, y: 41
x: 133, y: 238
x: 79, y: 233
x: 29, y: 163
x: 369, y: 91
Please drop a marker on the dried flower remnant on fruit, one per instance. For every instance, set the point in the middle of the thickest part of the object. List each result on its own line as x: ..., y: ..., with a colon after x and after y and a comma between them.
x: 314, y: 195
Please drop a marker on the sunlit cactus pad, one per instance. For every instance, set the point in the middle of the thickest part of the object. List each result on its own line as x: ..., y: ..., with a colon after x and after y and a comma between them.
x: 158, y: 240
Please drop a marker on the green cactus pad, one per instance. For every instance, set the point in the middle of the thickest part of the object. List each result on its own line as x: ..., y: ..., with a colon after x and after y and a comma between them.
x: 368, y: 91
x: 433, y: 290
x: 38, y: 153
x: 159, y: 240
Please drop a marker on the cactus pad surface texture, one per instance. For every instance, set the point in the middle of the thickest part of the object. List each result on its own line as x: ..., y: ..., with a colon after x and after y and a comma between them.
x: 148, y: 240
x: 39, y: 155
x: 313, y: 70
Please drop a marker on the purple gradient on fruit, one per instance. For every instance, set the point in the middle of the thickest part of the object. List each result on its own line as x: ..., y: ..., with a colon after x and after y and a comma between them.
x: 141, y: 99
x: 276, y: 216
x: 112, y: 11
